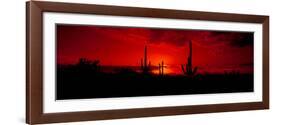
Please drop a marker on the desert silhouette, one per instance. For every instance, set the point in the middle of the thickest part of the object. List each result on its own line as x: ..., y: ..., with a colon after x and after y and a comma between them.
x: 94, y: 77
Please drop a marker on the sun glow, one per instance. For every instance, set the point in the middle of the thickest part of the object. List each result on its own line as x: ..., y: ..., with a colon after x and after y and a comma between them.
x: 161, y: 65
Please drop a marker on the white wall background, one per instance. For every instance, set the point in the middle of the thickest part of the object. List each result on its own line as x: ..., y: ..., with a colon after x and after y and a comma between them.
x: 12, y: 62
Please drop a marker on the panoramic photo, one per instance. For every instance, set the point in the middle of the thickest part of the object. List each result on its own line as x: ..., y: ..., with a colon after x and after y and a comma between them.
x: 112, y: 61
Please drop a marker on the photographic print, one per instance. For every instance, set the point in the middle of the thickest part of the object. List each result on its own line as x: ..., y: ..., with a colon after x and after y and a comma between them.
x: 98, y: 62
x: 94, y: 61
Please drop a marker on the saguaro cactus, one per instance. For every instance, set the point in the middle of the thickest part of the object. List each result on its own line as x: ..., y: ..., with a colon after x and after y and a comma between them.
x: 161, y: 68
x: 144, y: 66
x: 187, y: 69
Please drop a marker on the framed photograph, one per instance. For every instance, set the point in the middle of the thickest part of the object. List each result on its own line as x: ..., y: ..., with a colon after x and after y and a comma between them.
x: 95, y: 62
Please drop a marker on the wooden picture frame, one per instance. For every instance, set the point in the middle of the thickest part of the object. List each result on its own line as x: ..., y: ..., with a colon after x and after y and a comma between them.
x: 34, y: 62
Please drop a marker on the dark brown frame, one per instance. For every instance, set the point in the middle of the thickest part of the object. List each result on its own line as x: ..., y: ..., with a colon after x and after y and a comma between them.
x: 34, y: 61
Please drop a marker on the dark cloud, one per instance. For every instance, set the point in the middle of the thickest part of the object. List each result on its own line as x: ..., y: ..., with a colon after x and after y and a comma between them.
x: 176, y: 37
x: 170, y: 36
x: 236, y: 39
x: 181, y: 37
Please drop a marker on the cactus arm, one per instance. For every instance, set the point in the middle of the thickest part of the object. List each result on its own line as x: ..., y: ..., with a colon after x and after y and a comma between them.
x: 195, y: 70
x: 183, y: 70
x: 141, y: 63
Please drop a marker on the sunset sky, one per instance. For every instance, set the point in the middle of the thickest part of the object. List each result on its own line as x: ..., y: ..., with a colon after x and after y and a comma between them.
x: 213, y: 51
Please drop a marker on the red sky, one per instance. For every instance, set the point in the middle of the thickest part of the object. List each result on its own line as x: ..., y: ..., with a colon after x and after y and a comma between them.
x: 213, y: 51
